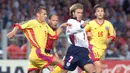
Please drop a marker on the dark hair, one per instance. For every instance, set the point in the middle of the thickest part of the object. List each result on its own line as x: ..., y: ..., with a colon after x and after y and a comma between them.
x: 38, y: 9
x: 52, y: 15
x: 98, y: 6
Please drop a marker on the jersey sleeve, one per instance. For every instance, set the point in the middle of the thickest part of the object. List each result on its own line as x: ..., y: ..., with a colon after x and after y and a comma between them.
x: 73, y: 28
x: 52, y: 34
x: 87, y: 27
x: 112, y: 33
x: 23, y: 25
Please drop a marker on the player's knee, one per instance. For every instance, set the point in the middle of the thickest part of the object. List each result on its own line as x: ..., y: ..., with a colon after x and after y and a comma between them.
x: 57, y: 61
x: 89, y: 68
x: 97, y: 64
x: 98, y: 68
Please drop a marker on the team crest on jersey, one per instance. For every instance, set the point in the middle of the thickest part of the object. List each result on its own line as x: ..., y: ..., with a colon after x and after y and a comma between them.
x: 106, y: 27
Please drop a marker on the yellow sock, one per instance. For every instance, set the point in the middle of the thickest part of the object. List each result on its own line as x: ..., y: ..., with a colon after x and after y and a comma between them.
x: 57, y: 69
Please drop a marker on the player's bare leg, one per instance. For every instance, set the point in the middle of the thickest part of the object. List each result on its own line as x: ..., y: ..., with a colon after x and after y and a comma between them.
x: 35, y: 71
x: 57, y: 69
x: 59, y: 64
x: 98, y: 66
x: 50, y: 68
x: 89, y: 68
x: 57, y: 61
x: 64, y: 71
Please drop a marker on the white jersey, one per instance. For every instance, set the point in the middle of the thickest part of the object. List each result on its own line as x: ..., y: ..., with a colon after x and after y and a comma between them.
x: 76, y: 35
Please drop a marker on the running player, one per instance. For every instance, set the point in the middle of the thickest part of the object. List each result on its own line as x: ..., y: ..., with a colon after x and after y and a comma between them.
x: 102, y: 34
x: 37, y: 31
x: 77, y: 53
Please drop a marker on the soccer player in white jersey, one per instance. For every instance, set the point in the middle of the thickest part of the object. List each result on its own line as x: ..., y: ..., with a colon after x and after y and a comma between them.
x: 77, y: 53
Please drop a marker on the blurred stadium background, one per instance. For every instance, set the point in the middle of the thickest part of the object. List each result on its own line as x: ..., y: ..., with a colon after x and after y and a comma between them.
x: 14, y: 52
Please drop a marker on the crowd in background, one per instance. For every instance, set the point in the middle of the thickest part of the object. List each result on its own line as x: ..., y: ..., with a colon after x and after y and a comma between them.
x: 117, y: 12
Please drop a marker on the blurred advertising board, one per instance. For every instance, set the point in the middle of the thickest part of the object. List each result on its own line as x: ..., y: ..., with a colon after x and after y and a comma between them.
x: 18, y: 66
x: 115, y: 66
x: 13, y: 66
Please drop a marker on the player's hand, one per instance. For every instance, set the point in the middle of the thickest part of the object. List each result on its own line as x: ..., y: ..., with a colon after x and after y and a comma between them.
x: 108, y: 40
x: 85, y: 22
x: 89, y: 34
x: 65, y: 24
x: 11, y: 34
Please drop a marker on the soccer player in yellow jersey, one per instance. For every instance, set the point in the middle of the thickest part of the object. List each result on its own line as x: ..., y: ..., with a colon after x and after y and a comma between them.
x: 37, y: 31
x: 102, y: 34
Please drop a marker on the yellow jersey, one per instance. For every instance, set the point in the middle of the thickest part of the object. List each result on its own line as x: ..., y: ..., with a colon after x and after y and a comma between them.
x: 100, y: 33
x: 37, y: 33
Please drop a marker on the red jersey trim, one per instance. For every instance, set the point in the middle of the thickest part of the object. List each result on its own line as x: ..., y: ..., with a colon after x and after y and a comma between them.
x: 18, y: 25
x: 72, y: 39
x: 27, y: 34
x: 44, y: 57
x: 48, y: 63
x: 113, y: 37
x: 53, y: 37
x: 87, y: 32
x: 33, y: 36
x: 101, y: 23
x: 91, y: 52
x: 96, y: 59
x: 49, y: 44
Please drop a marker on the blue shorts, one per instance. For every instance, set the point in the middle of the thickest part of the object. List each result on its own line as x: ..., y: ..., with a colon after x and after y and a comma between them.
x: 76, y: 56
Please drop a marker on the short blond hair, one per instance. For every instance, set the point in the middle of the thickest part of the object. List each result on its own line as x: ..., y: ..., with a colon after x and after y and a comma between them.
x: 74, y: 7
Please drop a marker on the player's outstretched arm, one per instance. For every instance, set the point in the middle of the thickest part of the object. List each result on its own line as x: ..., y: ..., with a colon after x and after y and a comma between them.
x: 55, y: 53
x: 61, y: 27
x: 85, y: 23
x: 13, y: 32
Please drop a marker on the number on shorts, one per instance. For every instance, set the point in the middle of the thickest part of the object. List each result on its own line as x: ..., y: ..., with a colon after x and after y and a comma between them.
x: 71, y: 58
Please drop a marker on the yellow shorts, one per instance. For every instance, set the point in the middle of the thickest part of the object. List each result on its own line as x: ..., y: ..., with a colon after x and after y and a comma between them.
x: 39, y: 60
x: 96, y: 53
